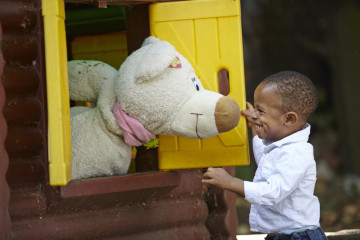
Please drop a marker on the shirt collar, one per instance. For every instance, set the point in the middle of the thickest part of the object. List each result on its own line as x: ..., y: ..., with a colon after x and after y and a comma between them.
x: 299, y: 136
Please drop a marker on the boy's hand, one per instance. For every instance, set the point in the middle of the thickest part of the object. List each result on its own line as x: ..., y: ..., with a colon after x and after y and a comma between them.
x: 250, y: 114
x: 220, y: 178
x: 251, y: 117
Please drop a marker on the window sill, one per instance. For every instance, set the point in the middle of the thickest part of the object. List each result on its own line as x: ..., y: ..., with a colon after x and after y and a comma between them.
x: 125, y: 183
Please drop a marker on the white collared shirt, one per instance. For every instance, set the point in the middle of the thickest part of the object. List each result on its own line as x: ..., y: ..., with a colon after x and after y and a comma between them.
x: 281, y: 194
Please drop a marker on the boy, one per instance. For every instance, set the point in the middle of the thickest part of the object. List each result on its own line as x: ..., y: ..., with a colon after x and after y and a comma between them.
x: 281, y: 194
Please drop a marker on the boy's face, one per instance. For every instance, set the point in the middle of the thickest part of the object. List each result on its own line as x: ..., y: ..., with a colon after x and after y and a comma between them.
x: 270, y: 122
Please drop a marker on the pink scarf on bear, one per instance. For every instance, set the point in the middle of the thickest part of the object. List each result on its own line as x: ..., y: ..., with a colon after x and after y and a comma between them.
x: 134, y: 132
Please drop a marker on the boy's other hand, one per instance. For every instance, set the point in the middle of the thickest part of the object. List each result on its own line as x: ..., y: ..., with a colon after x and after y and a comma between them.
x: 220, y: 178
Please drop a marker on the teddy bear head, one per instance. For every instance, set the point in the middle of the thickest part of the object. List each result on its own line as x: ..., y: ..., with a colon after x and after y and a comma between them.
x: 159, y: 87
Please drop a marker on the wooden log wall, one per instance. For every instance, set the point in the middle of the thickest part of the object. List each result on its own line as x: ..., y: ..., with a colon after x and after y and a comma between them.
x: 4, y: 160
x: 24, y: 109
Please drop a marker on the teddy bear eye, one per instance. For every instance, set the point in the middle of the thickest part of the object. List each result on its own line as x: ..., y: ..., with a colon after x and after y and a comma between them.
x: 196, y: 85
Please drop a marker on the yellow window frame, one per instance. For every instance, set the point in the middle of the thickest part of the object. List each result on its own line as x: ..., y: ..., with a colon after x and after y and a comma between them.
x: 59, y: 136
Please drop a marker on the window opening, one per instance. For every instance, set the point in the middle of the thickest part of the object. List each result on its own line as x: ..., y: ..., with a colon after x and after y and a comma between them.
x: 224, y: 81
x: 83, y: 22
x: 100, y: 34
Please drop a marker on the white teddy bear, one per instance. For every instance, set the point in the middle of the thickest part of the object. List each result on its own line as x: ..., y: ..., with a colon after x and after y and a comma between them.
x: 154, y: 92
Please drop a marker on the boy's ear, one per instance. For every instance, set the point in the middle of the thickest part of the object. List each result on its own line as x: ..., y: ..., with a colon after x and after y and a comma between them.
x: 291, y: 118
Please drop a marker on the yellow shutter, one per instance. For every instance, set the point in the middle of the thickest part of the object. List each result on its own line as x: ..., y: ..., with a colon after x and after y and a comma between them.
x: 208, y: 34
x: 57, y: 92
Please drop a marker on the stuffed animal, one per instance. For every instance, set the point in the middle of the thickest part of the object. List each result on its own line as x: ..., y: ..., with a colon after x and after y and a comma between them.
x: 155, y: 91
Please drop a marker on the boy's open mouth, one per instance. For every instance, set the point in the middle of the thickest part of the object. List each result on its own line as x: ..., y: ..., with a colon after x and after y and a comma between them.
x: 258, y: 127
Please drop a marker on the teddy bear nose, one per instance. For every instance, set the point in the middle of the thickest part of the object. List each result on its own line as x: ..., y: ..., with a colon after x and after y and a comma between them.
x: 227, y: 114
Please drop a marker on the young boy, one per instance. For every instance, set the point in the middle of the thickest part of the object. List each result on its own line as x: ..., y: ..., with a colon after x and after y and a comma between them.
x: 281, y: 194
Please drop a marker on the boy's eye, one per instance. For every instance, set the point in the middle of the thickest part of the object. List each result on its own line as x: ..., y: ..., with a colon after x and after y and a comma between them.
x: 260, y: 111
x: 196, y: 85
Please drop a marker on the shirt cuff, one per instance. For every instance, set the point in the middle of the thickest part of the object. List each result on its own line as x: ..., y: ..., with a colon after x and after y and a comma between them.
x: 250, y: 191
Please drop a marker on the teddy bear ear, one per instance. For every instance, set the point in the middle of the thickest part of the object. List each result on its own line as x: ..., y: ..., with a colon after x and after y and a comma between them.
x: 157, y: 57
x: 87, y: 77
x: 150, y: 40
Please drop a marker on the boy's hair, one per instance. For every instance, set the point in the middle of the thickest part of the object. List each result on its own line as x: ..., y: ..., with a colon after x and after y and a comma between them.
x: 297, y: 92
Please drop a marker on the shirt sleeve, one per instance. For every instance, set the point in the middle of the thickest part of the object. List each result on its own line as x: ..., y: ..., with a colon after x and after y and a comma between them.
x: 287, y: 173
